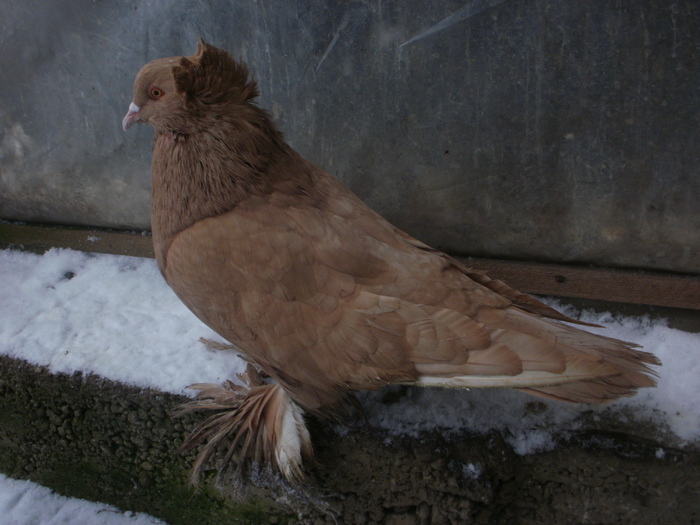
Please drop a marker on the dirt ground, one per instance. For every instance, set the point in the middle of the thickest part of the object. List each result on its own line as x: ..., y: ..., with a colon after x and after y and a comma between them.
x: 594, y: 477
x: 87, y: 437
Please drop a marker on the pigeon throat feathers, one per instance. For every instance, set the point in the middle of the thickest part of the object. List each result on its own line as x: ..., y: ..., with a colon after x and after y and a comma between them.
x: 207, y: 172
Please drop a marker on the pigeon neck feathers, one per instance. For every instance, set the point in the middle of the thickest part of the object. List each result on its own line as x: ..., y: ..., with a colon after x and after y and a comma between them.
x: 214, y: 149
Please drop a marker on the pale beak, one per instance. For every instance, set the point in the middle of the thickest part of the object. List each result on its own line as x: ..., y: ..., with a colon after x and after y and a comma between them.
x: 131, y: 116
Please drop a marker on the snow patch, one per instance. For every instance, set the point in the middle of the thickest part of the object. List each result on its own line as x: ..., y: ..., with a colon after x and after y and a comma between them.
x: 105, y: 314
x: 26, y: 503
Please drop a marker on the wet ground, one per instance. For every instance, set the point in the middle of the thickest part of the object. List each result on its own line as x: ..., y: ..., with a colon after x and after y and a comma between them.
x: 87, y: 437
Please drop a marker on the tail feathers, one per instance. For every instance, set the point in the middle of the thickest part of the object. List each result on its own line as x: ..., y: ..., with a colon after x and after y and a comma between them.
x: 617, y: 368
x: 629, y: 370
x: 261, y: 421
x: 598, y: 391
x: 555, y: 361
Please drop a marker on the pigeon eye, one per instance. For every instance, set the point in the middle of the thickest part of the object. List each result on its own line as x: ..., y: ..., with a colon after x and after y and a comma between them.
x: 155, y: 92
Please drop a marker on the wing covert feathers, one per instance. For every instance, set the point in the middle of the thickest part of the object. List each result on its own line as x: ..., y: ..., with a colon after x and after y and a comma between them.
x: 321, y: 322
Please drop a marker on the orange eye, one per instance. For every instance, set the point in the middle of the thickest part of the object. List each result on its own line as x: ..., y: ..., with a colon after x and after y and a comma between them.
x: 155, y: 92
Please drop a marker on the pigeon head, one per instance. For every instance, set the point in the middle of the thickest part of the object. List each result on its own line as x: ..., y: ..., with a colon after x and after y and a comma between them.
x: 173, y: 93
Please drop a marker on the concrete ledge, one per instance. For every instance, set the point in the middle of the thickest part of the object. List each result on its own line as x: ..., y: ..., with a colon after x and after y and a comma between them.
x: 86, y: 437
x: 40, y: 238
x: 91, y: 438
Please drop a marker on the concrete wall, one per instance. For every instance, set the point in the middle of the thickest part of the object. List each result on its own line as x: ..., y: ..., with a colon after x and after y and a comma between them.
x: 536, y: 129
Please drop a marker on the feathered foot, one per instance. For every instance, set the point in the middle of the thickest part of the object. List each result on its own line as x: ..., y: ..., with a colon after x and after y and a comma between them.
x: 267, y: 427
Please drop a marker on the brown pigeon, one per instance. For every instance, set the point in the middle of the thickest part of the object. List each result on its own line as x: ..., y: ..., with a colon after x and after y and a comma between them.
x: 321, y: 294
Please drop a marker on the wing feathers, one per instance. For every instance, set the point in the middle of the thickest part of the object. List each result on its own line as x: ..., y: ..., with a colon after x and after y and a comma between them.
x: 498, y: 360
x: 324, y: 306
x: 535, y: 354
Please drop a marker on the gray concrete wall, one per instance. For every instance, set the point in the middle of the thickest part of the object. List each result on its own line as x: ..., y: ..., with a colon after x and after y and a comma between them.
x: 536, y: 129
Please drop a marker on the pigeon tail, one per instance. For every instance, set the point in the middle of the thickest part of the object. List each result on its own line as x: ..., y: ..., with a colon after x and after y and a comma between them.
x: 259, y: 421
x: 549, y: 359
